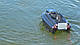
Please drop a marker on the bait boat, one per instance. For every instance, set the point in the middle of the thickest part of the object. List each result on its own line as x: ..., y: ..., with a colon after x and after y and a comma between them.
x: 55, y: 20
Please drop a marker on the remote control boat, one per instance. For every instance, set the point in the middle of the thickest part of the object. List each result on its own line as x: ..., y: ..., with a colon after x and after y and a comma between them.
x: 55, y: 20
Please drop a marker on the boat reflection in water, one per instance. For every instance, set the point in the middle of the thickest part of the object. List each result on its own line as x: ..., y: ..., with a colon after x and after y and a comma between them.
x: 62, y: 37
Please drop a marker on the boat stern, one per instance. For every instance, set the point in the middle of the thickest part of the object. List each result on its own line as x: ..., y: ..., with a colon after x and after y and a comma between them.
x: 61, y: 26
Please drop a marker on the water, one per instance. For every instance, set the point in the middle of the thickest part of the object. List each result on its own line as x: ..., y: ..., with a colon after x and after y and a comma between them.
x: 20, y: 19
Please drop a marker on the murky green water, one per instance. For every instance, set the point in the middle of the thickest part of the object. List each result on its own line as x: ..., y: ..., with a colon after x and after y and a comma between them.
x: 20, y: 19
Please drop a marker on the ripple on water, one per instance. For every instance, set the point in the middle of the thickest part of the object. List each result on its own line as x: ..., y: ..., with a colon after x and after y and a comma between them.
x: 19, y: 21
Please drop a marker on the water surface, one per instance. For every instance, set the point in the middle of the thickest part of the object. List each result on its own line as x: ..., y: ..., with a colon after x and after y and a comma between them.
x: 20, y: 19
